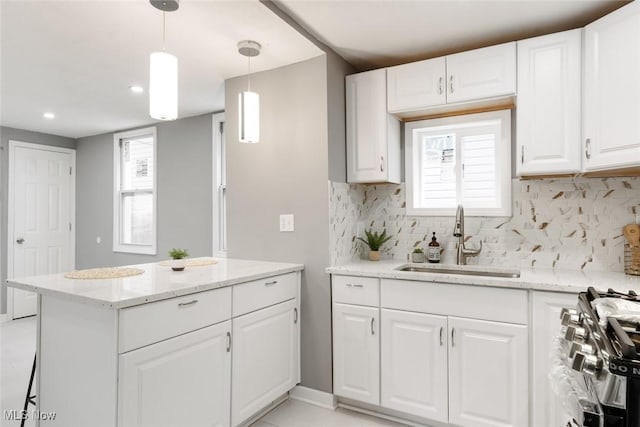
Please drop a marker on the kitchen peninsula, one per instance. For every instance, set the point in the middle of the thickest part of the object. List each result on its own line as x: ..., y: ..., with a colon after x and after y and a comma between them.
x: 157, y: 348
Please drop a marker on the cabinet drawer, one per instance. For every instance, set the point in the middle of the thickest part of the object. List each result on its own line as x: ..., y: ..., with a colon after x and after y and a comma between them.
x: 149, y: 323
x: 356, y: 290
x: 262, y: 293
x: 476, y: 302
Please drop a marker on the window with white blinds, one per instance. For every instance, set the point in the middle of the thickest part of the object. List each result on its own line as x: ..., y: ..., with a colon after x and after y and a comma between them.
x: 134, y: 216
x: 459, y: 160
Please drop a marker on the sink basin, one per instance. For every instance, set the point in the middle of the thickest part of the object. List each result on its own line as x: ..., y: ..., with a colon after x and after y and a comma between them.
x: 464, y: 270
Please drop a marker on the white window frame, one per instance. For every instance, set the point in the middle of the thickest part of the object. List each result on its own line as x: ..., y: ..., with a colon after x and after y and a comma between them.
x: 118, y: 246
x: 219, y: 186
x: 503, y: 164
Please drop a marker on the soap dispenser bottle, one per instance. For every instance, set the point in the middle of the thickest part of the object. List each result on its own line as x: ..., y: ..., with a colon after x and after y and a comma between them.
x: 433, y: 253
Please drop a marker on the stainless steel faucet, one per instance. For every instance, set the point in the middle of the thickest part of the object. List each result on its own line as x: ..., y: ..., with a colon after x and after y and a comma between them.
x: 458, y: 231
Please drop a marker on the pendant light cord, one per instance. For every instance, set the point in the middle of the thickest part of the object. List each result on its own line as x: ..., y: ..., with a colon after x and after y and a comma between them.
x: 249, y: 73
x: 164, y: 29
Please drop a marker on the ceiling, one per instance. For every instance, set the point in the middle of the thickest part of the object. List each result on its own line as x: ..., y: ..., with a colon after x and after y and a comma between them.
x: 373, y: 34
x: 77, y: 59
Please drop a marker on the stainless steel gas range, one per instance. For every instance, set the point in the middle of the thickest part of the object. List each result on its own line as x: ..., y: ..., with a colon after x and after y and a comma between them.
x: 597, y: 363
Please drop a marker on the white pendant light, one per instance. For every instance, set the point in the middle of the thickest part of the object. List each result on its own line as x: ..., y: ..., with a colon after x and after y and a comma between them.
x: 249, y: 102
x: 163, y: 74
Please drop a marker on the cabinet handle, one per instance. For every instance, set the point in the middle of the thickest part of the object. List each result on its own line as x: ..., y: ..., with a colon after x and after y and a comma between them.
x: 587, y: 149
x: 357, y: 285
x: 185, y: 304
x: 453, y: 336
x: 373, y: 332
x: 270, y: 283
x: 440, y: 85
x: 441, y: 330
x: 295, y: 315
x: 381, y: 164
x: 522, y: 156
x: 228, y: 342
x: 451, y: 83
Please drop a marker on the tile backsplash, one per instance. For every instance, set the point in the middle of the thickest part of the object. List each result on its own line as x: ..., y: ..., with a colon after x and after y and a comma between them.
x: 573, y: 223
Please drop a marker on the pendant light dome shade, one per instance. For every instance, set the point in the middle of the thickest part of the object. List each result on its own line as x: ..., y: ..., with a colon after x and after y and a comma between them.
x: 163, y: 86
x: 249, y: 117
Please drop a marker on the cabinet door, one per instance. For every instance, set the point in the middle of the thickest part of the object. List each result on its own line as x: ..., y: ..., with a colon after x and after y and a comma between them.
x: 482, y: 73
x: 548, y: 113
x: 488, y: 374
x: 265, y: 358
x: 547, y: 411
x: 416, y: 85
x: 612, y: 90
x: 373, y: 137
x: 184, y: 381
x: 414, y: 364
x: 356, y: 353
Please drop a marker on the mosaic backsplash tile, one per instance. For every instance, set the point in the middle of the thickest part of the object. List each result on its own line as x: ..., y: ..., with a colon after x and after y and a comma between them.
x: 573, y: 223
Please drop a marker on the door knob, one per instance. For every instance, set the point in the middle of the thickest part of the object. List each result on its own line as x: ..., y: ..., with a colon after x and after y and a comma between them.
x: 20, y: 241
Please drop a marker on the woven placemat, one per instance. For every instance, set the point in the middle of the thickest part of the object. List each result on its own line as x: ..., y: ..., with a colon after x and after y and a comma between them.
x: 104, y: 273
x: 192, y: 262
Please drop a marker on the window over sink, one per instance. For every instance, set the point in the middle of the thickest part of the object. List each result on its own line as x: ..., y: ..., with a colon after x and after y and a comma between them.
x: 459, y: 160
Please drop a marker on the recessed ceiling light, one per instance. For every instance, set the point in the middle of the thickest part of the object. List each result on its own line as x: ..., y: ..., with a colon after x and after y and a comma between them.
x: 49, y: 115
x: 136, y: 89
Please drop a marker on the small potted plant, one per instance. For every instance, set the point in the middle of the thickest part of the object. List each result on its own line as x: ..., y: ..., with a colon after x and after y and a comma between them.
x: 374, y: 241
x: 178, y: 256
x: 417, y: 255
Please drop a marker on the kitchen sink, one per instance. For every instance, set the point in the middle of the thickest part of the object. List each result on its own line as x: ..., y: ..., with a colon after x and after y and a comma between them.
x: 463, y: 269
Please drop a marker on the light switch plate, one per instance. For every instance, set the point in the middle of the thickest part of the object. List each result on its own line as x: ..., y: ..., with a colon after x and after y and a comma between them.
x: 286, y: 222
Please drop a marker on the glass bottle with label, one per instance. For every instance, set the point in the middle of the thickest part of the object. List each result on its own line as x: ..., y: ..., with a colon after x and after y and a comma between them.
x: 433, y: 252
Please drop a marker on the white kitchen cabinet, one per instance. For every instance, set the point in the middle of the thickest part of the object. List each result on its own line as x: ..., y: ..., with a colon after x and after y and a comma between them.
x: 184, y: 380
x: 545, y: 316
x: 356, y: 352
x: 414, y: 364
x: 476, y: 75
x: 481, y: 73
x: 488, y: 374
x: 612, y: 90
x: 416, y: 85
x: 549, y: 104
x: 265, y: 358
x: 373, y: 136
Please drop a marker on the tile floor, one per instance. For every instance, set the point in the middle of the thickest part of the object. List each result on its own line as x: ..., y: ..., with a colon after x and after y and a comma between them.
x: 17, y: 347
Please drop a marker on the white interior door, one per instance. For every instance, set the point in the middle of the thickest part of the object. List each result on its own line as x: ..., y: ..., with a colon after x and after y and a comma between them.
x: 41, y: 211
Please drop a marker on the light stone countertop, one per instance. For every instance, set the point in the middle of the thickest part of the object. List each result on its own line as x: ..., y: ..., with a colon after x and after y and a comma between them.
x: 573, y: 281
x: 156, y: 283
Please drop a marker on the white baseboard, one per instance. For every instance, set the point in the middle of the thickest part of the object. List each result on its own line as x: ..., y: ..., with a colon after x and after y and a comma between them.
x: 314, y: 397
x: 4, y: 318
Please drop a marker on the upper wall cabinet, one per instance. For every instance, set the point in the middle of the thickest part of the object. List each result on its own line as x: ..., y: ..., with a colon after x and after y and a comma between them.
x: 468, y: 76
x: 612, y: 90
x: 548, y: 113
x: 373, y: 136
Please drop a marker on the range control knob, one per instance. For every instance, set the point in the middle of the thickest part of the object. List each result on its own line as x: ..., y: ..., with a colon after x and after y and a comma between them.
x: 582, y: 348
x: 587, y: 363
x: 567, y: 310
x: 576, y: 333
x: 571, y: 319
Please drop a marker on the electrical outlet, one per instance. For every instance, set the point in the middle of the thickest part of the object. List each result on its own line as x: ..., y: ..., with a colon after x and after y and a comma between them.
x: 286, y: 222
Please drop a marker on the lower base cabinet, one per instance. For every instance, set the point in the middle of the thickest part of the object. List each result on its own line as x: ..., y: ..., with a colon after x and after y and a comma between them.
x: 488, y: 374
x: 414, y: 364
x: 427, y: 359
x: 183, y: 381
x: 356, y: 352
x: 265, y: 358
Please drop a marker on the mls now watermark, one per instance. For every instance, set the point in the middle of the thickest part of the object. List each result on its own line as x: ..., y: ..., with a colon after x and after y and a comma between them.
x: 20, y: 414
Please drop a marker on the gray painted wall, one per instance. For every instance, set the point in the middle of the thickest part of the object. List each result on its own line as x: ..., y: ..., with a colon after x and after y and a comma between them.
x: 184, y: 194
x: 337, y: 69
x: 7, y: 134
x: 287, y: 172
